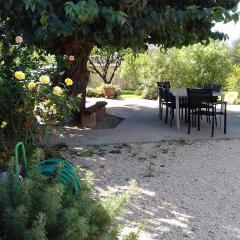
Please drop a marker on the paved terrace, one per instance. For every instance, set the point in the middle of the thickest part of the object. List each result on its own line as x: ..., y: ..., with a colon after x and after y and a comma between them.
x: 141, y: 124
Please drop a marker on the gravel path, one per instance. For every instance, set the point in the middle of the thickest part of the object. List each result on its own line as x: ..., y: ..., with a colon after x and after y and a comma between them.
x: 185, y: 190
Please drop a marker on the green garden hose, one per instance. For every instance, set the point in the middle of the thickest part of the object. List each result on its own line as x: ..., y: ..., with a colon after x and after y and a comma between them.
x: 50, y: 167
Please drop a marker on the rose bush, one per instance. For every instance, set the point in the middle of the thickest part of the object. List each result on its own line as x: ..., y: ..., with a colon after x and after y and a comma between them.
x: 30, y: 102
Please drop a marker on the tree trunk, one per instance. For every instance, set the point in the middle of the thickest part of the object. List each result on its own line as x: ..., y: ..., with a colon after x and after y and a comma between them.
x: 79, y: 72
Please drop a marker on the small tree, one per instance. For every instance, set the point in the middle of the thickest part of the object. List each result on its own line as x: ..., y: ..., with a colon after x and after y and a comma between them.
x: 105, y: 63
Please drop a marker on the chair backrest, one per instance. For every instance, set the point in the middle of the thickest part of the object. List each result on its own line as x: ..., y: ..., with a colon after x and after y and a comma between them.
x: 214, y: 87
x: 168, y: 95
x: 161, y: 93
x: 164, y: 84
x: 198, y: 96
x: 207, y: 86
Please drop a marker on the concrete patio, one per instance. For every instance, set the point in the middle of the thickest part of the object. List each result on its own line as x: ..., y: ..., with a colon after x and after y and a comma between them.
x: 141, y: 124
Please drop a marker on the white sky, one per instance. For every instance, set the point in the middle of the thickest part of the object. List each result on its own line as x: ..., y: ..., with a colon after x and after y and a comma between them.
x: 231, y: 29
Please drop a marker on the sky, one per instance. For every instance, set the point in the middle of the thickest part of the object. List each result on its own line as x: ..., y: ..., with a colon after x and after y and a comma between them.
x: 231, y: 29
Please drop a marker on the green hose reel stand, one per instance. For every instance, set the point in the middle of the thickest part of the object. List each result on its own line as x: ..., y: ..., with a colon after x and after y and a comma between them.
x: 50, y: 167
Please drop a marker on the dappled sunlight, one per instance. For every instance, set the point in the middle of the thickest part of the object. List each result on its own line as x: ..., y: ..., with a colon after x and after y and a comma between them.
x: 235, y: 231
x: 171, y: 197
x: 173, y: 222
x: 70, y: 128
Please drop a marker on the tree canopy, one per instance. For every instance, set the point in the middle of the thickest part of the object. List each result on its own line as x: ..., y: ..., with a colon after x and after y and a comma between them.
x: 60, y: 25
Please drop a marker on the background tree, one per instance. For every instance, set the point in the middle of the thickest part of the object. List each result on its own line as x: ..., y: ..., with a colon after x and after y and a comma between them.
x: 196, y: 64
x: 105, y: 62
x: 235, y: 52
x: 75, y: 27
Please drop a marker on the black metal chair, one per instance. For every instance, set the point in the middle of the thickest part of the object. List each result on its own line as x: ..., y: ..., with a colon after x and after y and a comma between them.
x: 214, y: 88
x: 164, y: 84
x: 161, y: 97
x: 171, y: 104
x: 202, y: 103
x: 162, y: 101
x: 207, y: 86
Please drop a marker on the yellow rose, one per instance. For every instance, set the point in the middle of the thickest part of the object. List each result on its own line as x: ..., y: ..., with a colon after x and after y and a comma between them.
x: 4, y: 124
x: 79, y: 95
x: 57, y: 91
x: 44, y: 79
x: 69, y: 81
x: 47, y: 102
x: 31, y: 85
x: 19, y: 75
x: 2, y: 62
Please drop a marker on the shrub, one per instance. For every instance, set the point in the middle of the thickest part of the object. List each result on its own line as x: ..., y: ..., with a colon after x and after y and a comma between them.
x: 38, y: 209
x: 95, y: 92
x: 235, y: 52
x: 27, y: 95
x: 118, y: 91
x: 99, y: 91
x: 129, y: 70
x: 233, y: 80
x: 190, y: 66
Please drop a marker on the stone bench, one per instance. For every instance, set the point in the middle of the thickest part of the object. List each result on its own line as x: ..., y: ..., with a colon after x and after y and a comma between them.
x: 93, y: 113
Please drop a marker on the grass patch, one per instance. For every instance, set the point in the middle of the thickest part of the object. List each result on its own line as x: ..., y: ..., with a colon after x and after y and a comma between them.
x: 86, y: 153
x: 125, y: 94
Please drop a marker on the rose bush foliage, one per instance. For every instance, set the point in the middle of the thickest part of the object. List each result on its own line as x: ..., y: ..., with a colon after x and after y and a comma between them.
x: 29, y: 100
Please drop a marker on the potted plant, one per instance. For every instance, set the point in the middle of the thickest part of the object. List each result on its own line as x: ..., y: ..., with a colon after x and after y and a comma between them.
x: 109, y: 90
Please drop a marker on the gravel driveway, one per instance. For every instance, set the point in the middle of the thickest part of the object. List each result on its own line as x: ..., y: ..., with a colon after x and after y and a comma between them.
x: 185, y: 190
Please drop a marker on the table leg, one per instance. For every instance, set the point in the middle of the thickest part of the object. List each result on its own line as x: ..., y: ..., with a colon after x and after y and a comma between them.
x: 222, y: 109
x: 160, y: 107
x: 177, y: 113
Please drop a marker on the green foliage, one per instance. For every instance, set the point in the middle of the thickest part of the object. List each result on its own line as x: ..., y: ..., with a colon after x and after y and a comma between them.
x: 129, y: 69
x: 125, y: 23
x: 190, y: 66
x: 233, y: 80
x: 86, y: 153
x: 115, y: 203
x: 235, y: 52
x: 135, y: 235
x: 99, y: 92
x: 125, y: 94
x: 25, y: 101
x: 95, y: 92
x: 82, y: 11
x: 41, y: 209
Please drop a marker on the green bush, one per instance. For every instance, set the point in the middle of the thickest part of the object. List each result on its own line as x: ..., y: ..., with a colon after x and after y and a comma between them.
x: 98, y: 92
x: 39, y: 209
x: 118, y: 91
x: 95, y: 92
x: 235, y: 52
x: 233, y: 80
x: 190, y: 66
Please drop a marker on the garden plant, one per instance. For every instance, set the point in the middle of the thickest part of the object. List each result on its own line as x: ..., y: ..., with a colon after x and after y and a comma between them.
x: 190, y: 66
x: 30, y: 102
